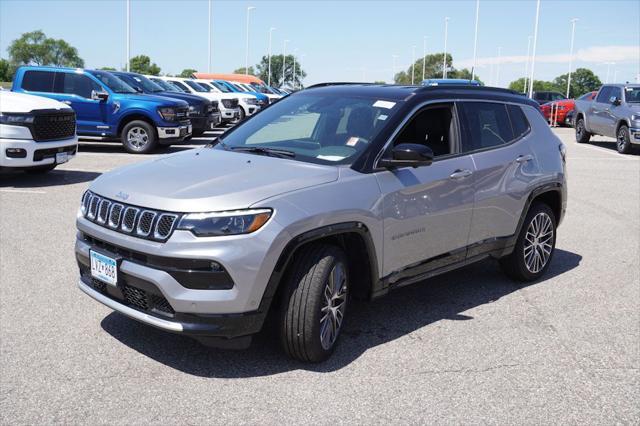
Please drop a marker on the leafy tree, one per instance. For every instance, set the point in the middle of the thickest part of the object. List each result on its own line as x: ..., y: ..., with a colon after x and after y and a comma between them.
x: 187, y: 73
x: 583, y: 80
x: 433, y: 69
x: 241, y: 70
x: 6, y: 70
x: 142, y: 64
x: 276, y: 71
x: 538, y: 85
x: 107, y: 69
x: 35, y: 48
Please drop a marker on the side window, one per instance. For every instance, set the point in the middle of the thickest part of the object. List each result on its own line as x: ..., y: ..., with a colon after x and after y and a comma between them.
x: 603, y: 95
x: 487, y: 125
x: 38, y: 81
x: 433, y: 127
x: 617, y: 92
x: 519, y: 121
x: 78, y: 84
x: 180, y: 86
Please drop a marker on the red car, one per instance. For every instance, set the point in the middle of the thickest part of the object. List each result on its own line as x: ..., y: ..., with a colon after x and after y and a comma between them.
x: 563, y: 106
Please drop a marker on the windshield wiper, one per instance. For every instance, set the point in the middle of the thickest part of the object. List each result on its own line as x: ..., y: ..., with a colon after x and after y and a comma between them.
x: 263, y: 150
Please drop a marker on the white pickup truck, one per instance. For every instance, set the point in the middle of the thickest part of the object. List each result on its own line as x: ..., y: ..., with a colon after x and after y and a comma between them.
x: 36, y: 133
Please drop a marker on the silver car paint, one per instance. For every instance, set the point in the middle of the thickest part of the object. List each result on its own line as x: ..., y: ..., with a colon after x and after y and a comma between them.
x: 603, y: 118
x: 392, y: 205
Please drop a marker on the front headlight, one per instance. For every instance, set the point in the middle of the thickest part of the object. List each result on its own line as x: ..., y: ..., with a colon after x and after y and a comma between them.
x: 224, y: 223
x: 635, y: 117
x: 252, y: 101
x: 167, y: 113
x: 15, y: 119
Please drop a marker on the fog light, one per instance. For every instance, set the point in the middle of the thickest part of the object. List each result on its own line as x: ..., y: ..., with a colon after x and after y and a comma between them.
x: 16, y: 153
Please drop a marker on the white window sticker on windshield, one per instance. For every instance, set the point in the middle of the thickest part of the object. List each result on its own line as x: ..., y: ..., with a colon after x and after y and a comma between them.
x: 628, y: 89
x: 382, y: 117
x: 330, y: 157
x: 352, y: 141
x: 384, y: 104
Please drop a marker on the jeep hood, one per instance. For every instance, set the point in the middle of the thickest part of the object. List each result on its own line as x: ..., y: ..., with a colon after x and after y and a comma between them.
x: 204, y: 180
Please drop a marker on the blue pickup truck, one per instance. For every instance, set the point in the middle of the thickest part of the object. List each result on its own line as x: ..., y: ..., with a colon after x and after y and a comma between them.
x: 107, y: 108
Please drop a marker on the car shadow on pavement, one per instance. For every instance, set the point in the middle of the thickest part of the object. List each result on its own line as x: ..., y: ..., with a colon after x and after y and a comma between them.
x: 611, y: 145
x: 116, y: 147
x: 369, y: 324
x: 19, y: 179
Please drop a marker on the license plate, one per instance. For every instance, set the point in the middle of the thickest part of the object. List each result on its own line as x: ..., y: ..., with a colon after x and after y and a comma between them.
x: 104, y: 268
x: 61, y: 157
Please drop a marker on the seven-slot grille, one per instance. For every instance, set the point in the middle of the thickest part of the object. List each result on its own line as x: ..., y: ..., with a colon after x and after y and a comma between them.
x: 53, y: 125
x: 230, y: 103
x: 142, y: 223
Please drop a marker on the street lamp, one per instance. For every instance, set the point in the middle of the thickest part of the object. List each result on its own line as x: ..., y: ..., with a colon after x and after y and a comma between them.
x: 271, y: 30
x: 299, y: 62
x: 424, y: 55
x: 526, y: 67
x: 475, y: 42
x: 608, y: 64
x: 284, y: 60
x: 246, y: 58
x: 444, y: 59
x: 533, y: 55
x: 209, y: 41
x: 573, y: 30
x: 294, y: 67
x: 413, y: 63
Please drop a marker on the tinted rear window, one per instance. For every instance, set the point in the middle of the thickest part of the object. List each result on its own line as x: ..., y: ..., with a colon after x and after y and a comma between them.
x: 38, y: 81
x: 518, y: 120
x: 487, y: 125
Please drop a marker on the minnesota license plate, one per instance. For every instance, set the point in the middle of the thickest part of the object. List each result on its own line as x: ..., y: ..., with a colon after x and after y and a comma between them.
x: 104, y: 268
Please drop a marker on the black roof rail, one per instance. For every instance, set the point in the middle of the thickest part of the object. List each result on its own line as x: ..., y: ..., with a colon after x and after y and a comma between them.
x: 469, y: 87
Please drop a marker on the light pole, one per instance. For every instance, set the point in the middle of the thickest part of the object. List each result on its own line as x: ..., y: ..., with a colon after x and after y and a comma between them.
x: 246, y: 58
x: 526, y: 67
x: 393, y: 79
x: 299, y: 62
x: 284, y: 60
x: 573, y: 31
x: 128, y: 34
x: 608, y: 64
x: 444, y: 59
x: 475, y: 42
x: 269, y: 75
x: 533, y: 55
x: 294, y: 67
x: 209, y: 41
x: 413, y: 64
x: 497, y: 84
x: 424, y: 55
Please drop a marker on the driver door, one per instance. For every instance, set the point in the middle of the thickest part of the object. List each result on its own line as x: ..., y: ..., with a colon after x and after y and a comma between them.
x: 75, y: 90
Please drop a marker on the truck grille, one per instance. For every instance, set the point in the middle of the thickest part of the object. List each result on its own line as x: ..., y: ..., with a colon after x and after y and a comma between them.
x: 53, y: 125
x: 142, y: 223
x: 230, y: 103
x: 214, y: 107
x: 182, y: 113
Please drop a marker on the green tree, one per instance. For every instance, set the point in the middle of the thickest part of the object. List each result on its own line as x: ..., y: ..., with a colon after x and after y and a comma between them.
x: 583, y: 80
x: 276, y: 71
x: 142, y: 64
x: 432, y: 69
x: 187, y: 73
x: 35, y: 48
x: 6, y: 70
x: 107, y: 68
x: 538, y: 85
x: 241, y: 70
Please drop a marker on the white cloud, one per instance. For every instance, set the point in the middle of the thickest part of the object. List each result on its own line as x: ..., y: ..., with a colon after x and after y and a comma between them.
x: 594, y: 54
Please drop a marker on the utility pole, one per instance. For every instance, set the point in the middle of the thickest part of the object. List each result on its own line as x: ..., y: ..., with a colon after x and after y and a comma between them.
x: 533, y: 56
x: 573, y: 31
x: 246, y: 58
x: 526, y: 67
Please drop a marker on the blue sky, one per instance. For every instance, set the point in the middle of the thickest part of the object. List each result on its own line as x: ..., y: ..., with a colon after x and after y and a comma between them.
x: 341, y: 40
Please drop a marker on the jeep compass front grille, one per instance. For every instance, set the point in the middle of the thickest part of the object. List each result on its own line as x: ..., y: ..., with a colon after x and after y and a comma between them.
x: 142, y: 223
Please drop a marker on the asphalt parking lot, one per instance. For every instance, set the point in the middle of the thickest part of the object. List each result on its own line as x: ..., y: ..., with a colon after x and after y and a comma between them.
x: 466, y: 347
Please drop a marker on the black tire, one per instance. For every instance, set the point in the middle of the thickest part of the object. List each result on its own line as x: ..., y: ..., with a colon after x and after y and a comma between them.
x: 582, y: 136
x: 515, y: 265
x: 243, y: 115
x: 40, y: 169
x: 146, y: 141
x: 623, y: 140
x: 304, y: 301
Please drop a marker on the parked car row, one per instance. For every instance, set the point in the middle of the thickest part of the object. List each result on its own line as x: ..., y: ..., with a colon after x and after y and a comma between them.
x: 144, y: 112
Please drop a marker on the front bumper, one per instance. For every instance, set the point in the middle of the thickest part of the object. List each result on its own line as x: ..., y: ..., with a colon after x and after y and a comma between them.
x: 37, y: 153
x: 204, y: 123
x: 230, y: 114
x: 175, y: 133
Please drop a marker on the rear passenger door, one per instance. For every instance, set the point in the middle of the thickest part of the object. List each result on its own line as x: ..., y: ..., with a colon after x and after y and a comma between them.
x: 598, y: 111
x: 497, y: 136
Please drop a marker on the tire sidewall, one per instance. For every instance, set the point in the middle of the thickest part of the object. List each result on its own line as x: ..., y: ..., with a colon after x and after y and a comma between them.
x: 519, y: 249
x: 151, y: 144
x: 626, y: 147
x: 581, y: 132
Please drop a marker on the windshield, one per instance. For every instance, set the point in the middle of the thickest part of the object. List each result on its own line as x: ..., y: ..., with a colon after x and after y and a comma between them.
x: 221, y: 87
x: 632, y: 94
x: 237, y: 86
x: 262, y: 89
x: 113, y: 82
x: 195, y: 86
x: 147, y: 85
x: 315, y: 128
x: 167, y: 87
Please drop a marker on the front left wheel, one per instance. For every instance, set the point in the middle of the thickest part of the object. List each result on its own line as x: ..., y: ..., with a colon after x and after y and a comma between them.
x: 314, y: 303
x: 139, y: 137
x: 623, y: 140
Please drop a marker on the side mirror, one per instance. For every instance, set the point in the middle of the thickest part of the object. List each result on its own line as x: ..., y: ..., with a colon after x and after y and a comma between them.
x: 614, y: 100
x: 99, y: 95
x: 408, y: 154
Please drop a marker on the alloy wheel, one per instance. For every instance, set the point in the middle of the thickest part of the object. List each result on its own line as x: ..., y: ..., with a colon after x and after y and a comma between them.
x: 334, y: 306
x: 622, y: 140
x: 538, y: 242
x: 137, y: 137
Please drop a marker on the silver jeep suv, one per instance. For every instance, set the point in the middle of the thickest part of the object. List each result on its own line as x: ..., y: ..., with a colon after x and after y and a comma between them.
x: 338, y: 191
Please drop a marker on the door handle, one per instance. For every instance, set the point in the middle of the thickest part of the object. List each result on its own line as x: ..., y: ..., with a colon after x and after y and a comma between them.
x: 460, y: 174
x: 524, y: 158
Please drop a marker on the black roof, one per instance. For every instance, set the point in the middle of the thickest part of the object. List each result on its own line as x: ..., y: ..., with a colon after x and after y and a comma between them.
x: 406, y: 92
